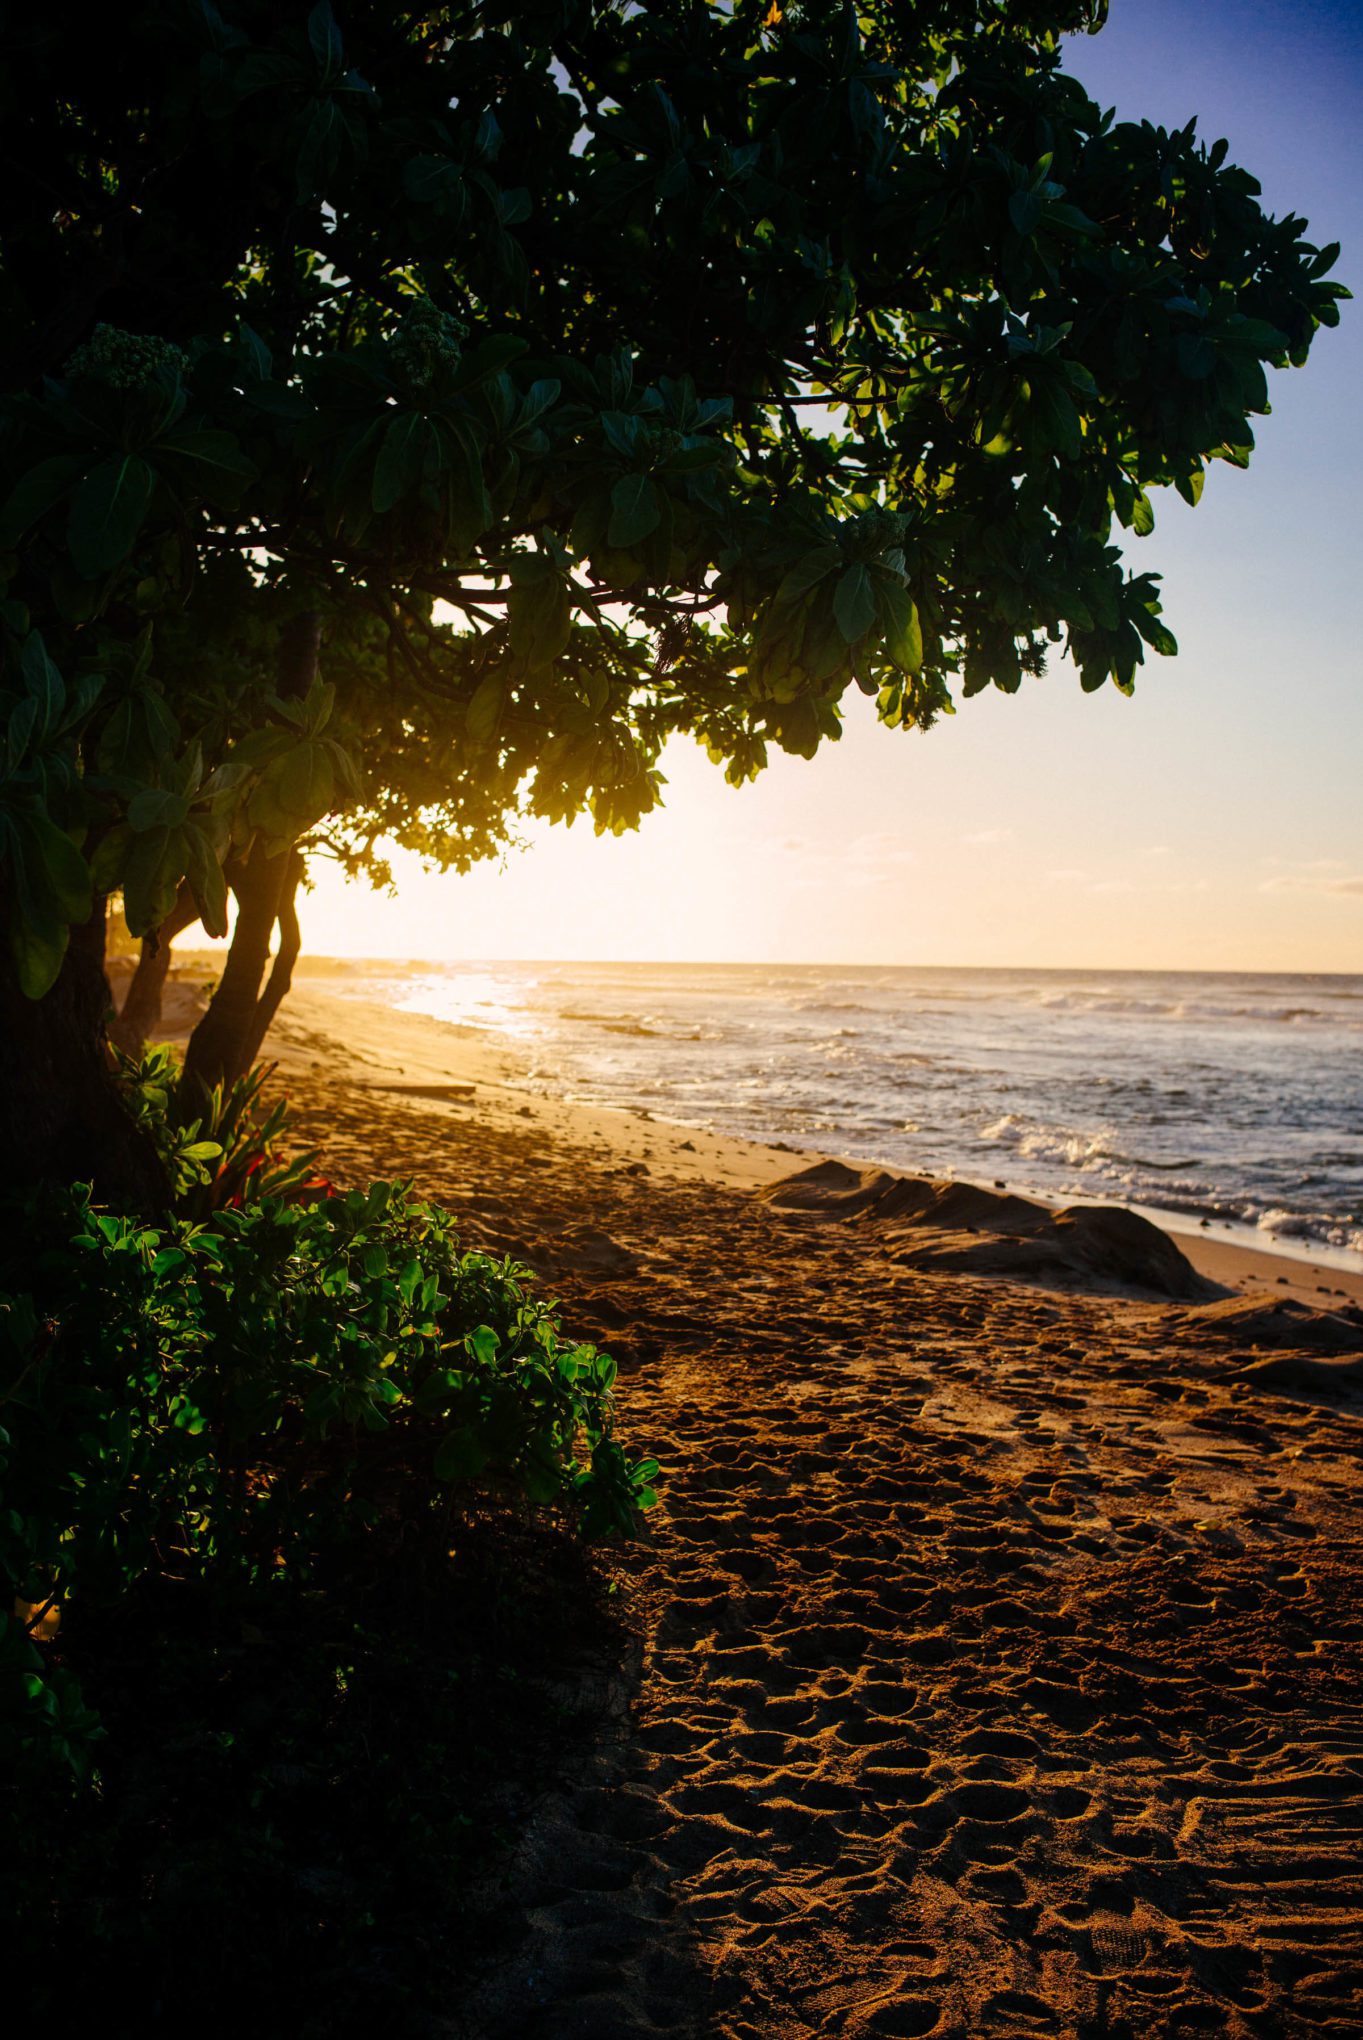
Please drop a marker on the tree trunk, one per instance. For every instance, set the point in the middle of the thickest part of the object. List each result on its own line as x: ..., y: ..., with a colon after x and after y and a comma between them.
x: 286, y: 956
x: 227, y: 1039
x: 219, y: 1048
x: 140, y: 1014
x: 62, y: 1119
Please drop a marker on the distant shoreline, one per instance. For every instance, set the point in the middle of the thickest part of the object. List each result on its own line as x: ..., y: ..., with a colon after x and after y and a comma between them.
x: 323, y: 965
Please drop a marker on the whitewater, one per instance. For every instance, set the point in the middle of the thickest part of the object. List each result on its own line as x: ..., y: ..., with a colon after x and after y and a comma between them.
x: 1228, y: 1100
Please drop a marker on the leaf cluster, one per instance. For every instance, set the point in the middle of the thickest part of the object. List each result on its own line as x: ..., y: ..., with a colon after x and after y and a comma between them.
x: 230, y: 1400
x: 594, y: 374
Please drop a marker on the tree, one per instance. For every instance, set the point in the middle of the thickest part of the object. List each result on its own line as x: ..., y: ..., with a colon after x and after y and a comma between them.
x: 425, y: 415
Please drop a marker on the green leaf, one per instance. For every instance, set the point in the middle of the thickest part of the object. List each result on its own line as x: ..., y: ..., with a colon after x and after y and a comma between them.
x: 64, y: 869
x: 429, y: 179
x: 151, y: 879
x: 222, y: 465
x: 694, y: 459
x: 1142, y: 515
x: 1196, y: 356
x: 904, y: 633
x: 321, y: 135
x: 107, y: 513
x: 43, y: 683
x: 460, y: 1457
x: 540, y: 610
x: 207, y: 881
x: 306, y: 782
x: 19, y: 732
x: 401, y: 458
x: 1024, y: 210
x: 539, y: 398
x: 38, y: 954
x: 1052, y: 409
x: 635, y: 511
x: 488, y: 358
x: 622, y: 432
x: 482, y: 1344
x: 106, y: 865
x: 854, y: 604
x: 808, y: 571
x: 35, y: 493
x: 278, y: 400
x: 485, y: 709
x: 256, y: 351
x: 1156, y: 633
x: 154, y: 808
x: 325, y: 40
x: 470, y: 513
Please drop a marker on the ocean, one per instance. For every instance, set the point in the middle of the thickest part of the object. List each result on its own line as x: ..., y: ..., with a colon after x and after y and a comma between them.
x: 1220, y: 1097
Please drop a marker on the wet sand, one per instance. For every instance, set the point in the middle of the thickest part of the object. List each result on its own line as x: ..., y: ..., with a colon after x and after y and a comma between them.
x: 1001, y: 1637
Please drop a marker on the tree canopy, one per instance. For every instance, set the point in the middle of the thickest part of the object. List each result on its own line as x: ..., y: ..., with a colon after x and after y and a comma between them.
x: 575, y: 373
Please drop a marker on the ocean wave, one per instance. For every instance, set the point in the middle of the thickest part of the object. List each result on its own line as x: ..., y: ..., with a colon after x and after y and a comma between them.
x: 828, y: 1006
x: 1116, y: 1005
x: 1048, y: 1143
x: 649, y: 1029
x: 1231, y: 1098
x: 1326, y: 1229
x: 1077, y: 1150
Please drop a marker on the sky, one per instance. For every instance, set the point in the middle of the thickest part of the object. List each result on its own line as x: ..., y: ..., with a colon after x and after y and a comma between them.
x: 1213, y: 821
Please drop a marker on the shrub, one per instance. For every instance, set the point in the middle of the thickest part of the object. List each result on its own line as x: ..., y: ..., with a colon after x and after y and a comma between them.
x: 229, y: 1400
x: 233, y: 1150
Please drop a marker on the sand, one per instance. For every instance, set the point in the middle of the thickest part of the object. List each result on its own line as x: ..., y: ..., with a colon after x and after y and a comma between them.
x: 1001, y: 1628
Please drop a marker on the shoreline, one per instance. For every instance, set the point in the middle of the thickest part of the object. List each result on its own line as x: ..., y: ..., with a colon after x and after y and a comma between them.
x: 994, y: 1638
x: 414, y: 1055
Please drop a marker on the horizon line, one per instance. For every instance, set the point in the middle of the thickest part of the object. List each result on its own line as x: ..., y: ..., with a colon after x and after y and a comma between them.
x: 314, y: 958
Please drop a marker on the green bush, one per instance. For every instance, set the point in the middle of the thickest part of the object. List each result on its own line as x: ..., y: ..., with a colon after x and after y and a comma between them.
x: 232, y: 1150
x: 229, y: 1401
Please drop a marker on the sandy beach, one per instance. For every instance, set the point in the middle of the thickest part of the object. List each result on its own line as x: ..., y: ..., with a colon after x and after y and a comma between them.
x: 1000, y: 1662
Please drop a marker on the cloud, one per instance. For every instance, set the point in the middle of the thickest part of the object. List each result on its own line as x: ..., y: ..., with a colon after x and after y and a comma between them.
x: 876, y: 858
x: 882, y: 846
x: 1149, y: 890
x: 989, y: 836
x: 872, y: 859
x: 1314, y: 879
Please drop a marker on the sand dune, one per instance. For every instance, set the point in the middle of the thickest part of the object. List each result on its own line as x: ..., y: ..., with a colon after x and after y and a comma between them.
x: 1001, y: 1644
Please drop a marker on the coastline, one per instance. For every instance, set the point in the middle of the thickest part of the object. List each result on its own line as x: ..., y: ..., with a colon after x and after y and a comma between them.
x: 995, y: 1640
x: 408, y: 1056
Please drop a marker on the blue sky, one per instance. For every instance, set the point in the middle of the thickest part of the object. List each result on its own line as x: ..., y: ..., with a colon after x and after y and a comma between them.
x: 1213, y: 821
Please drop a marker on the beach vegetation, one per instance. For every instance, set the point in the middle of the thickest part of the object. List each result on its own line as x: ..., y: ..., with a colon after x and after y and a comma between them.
x: 238, y: 1401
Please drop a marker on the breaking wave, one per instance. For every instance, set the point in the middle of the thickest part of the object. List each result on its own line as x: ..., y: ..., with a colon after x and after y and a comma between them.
x: 1227, y: 1097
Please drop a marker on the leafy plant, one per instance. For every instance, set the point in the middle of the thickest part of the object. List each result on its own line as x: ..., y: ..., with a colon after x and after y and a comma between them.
x: 149, y: 1086
x: 233, y: 1150
x: 254, y: 1162
x: 229, y: 1401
